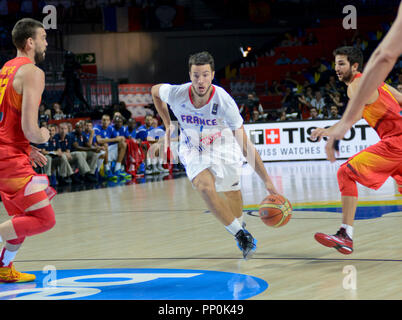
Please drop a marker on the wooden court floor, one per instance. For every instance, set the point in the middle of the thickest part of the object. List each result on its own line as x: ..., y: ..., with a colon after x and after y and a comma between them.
x: 165, y: 224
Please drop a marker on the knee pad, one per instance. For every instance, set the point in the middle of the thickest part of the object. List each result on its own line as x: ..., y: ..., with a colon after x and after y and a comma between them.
x: 34, y: 222
x: 347, y: 184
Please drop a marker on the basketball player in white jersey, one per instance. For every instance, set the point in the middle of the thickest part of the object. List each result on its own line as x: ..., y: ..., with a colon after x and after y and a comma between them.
x: 212, y: 141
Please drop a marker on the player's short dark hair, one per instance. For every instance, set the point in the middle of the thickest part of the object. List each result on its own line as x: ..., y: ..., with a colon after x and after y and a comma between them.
x: 201, y: 58
x: 354, y: 55
x: 24, y: 29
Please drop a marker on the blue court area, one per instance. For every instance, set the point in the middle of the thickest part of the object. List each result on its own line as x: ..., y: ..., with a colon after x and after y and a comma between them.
x: 362, y: 212
x: 135, y: 284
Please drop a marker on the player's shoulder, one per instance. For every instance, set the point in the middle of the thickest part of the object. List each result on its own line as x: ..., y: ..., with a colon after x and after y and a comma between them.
x: 176, y: 89
x: 29, y: 69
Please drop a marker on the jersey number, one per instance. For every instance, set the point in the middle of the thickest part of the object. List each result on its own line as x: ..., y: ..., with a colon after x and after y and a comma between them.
x: 3, y: 87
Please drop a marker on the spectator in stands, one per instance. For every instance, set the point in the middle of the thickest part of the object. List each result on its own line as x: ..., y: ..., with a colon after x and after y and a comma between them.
x: 53, y: 151
x: 310, y: 39
x: 122, y: 109
x: 360, y: 43
x: 333, y: 113
x: 106, y: 135
x: 86, y: 155
x: 90, y: 135
x: 72, y: 75
x: 283, y: 59
x: 251, y: 102
x: 333, y: 84
x: 135, y: 154
x: 282, y: 117
x: 336, y: 100
x: 300, y: 60
x: 318, y: 102
x: 288, y: 81
x: 314, y: 114
x: 275, y: 88
x: 49, y: 149
x: 43, y: 116
x: 58, y: 114
x: 256, y: 117
x: 288, y: 100
x: 75, y: 158
x: 304, y: 106
x: 155, y: 136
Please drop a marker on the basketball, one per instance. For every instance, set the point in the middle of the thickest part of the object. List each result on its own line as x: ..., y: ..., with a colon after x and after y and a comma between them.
x: 275, y: 211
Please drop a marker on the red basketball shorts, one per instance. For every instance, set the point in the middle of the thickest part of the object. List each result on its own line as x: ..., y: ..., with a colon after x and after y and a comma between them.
x: 375, y: 164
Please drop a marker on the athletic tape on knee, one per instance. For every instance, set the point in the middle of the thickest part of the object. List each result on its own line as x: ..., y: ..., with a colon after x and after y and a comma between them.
x: 347, y: 185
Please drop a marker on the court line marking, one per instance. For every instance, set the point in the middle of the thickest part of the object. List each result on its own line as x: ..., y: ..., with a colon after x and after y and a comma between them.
x: 214, y: 258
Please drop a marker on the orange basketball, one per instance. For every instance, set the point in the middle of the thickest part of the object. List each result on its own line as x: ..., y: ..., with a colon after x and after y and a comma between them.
x: 275, y: 211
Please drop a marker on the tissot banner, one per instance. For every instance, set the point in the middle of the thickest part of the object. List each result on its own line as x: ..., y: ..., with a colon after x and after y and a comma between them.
x: 290, y: 140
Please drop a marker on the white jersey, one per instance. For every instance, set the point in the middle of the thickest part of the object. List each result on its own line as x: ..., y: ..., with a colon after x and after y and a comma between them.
x: 206, y: 132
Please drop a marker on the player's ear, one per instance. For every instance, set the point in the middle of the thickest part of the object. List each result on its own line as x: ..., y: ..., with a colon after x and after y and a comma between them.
x: 355, y: 66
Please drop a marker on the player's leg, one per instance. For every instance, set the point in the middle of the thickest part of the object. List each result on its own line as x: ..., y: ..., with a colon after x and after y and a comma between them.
x: 397, y: 175
x: 79, y: 159
x: 225, y: 211
x: 121, y: 153
x: 204, y: 182
x: 370, y: 168
x: 235, y: 202
x: 32, y: 214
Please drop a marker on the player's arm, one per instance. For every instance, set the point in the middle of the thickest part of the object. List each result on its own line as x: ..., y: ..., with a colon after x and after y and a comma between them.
x: 253, y: 158
x: 163, y: 111
x: 33, y: 84
x: 107, y: 140
x: 160, y: 105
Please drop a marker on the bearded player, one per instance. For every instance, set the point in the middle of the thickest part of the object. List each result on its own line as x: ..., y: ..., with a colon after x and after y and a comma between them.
x: 25, y: 194
x: 372, y: 166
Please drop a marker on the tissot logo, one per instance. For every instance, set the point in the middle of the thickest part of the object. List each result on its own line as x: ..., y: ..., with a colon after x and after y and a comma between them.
x: 272, y: 136
x: 257, y: 136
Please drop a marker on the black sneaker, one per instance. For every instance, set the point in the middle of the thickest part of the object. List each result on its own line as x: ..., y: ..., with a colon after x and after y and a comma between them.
x: 246, y: 243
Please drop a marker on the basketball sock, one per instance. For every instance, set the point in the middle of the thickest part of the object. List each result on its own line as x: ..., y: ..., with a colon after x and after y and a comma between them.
x: 349, y: 230
x: 234, y: 227
x: 107, y: 167
x: 1, y: 240
x: 99, y: 163
x: 240, y: 220
x: 7, y: 257
x: 117, y: 167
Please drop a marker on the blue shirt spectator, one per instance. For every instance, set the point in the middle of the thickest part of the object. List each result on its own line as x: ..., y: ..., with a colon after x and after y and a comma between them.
x: 283, y: 59
x: 107, y: 133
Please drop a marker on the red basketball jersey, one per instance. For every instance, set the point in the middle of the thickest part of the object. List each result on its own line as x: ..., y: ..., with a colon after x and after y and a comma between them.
x: 15, y: 166
x: 384, y: 115
x: 10, y: 106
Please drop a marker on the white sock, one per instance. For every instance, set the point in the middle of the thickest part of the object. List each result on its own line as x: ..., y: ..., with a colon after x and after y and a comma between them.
x: 117, y: 166
x: 234, y: 227
x: 240, y: 220
x: 99, y: 163
x: 107, y: 167
x: 8, y: 257
x: 1, y: 240
x: 349, y: 230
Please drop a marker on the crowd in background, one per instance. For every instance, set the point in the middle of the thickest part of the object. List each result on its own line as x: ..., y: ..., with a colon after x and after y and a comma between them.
x: 320, y: 95
x: 114, y: 148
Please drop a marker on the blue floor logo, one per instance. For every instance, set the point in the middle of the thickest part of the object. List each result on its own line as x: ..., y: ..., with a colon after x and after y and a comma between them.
x: 135, y: 284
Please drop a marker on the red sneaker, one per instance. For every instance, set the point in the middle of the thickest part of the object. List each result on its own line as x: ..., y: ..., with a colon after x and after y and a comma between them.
x: 340, y: 241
